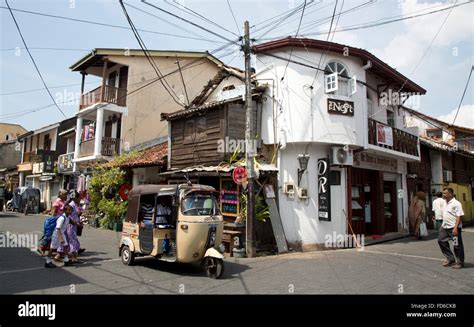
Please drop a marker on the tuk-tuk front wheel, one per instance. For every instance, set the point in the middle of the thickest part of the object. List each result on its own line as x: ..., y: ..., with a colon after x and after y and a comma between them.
x: 128, y: 258
x: 214, y: 267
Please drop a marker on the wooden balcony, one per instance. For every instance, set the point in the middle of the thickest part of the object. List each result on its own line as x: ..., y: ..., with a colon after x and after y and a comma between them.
x: 87, y: 148
x: 109, y: 147
x: 108, y: 94
x: 402, y: 141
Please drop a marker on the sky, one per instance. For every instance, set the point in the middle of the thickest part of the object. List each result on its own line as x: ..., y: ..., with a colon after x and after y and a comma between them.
x: 436, y: 51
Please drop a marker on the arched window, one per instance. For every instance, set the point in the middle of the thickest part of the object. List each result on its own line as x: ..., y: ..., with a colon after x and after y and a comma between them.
x: 343, y: 77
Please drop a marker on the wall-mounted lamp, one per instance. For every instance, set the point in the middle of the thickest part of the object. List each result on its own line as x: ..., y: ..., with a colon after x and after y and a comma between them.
x: 303, y: 161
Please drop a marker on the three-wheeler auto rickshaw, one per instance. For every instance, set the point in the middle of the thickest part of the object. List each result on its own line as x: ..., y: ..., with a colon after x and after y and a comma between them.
x: 174, y: 223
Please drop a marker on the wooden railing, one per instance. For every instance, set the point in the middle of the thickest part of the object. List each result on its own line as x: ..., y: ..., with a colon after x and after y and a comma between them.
x: 87, y: 148
x: 26, y: 156
x: 402, y: 141
x: 110, y: 94
x: 110, y: 146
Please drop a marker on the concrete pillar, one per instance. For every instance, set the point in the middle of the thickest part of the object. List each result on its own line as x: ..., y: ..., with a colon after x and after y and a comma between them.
x: 21, y: 182
x: 99, y: 131
x: 77, y: 145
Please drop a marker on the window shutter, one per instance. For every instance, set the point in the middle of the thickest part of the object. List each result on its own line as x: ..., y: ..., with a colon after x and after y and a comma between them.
x: 331, y: 83
x: 353, y: 83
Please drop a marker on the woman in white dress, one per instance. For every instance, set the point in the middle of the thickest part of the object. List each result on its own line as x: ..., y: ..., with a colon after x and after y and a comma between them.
x: 59, y: 235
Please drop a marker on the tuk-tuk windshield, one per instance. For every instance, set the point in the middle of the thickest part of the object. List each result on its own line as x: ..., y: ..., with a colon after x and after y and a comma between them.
x: 200, y: 204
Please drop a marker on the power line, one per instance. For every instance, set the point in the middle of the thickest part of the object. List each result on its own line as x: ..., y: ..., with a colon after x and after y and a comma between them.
x: 147, y: 55
x: 233, y: 16
x: 164, y: 20
x: 189, y: 22
x: 296, y: 35
x: 463, y: 94
x: 273, y: 25
x: 33, y: 60
x: 371, y: 24
x: 327, y: 49
x: 180, y: 6
x: 54, y: 49
x: 107, y: 25
x: 428, y: 48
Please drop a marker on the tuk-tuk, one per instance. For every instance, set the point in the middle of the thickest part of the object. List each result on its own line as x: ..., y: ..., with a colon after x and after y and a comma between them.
x: 26, y: 199
x: 174, y: 223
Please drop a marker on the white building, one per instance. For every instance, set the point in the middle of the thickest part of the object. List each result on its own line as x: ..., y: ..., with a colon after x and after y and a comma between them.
x: 345, y: 114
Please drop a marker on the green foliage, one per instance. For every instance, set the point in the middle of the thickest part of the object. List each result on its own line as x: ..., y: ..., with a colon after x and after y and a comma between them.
x: 262, y: 212
x: 124, y: 157
x: 103, y: 190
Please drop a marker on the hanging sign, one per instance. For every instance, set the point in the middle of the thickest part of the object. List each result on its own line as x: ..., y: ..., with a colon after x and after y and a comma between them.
x: 324, y: 190
x: 384, y: 135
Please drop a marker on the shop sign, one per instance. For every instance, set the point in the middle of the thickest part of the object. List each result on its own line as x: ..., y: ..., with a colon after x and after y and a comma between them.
x: 384, y: 135
x: 239, y: 175
x: 324, y: 190
x: 340, y: 107
x: 38, y: 168
x: 65, y: 163
x: 371, y: 161
x: 48, y: 163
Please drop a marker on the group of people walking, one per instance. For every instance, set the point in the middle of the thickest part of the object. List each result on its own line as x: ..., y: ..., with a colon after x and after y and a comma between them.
x: 65, y: 239
x: 447, y: 213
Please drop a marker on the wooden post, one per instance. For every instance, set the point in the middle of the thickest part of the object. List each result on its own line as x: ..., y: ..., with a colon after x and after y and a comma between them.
x: 81, y: 101
x: 104, y: 74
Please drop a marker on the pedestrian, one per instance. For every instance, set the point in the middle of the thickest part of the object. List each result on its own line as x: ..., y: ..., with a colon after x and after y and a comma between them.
x: 451, y: 229
x: 417, y: 214
x: 59, y: 240
x: 58, y: 204
x: 71, y: 231
x: 438, y: 207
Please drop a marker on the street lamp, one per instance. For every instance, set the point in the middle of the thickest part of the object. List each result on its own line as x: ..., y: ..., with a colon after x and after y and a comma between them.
x: 303, y: 161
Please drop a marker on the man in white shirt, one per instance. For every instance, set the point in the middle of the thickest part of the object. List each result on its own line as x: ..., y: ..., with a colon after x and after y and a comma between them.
x: 438, y: 207
x: 451, y: 229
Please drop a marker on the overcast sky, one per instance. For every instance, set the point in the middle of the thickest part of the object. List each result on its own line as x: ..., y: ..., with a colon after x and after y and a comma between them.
x: 437, y: 59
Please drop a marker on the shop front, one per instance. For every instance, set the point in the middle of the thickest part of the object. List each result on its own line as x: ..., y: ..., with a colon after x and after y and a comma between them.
x: 376, y: 193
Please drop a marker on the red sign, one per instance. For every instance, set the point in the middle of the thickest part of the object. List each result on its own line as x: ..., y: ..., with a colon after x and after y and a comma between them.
x: 124, y: 190
x: 239, y: 175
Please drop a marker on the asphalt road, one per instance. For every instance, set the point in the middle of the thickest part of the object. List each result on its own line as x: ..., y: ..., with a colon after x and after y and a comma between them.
x: 402, y: 266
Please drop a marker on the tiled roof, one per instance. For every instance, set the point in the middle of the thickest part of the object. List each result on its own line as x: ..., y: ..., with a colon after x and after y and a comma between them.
x: 155, y: 155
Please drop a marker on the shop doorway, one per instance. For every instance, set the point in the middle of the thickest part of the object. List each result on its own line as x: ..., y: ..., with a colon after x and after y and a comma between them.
x: 390, y: 206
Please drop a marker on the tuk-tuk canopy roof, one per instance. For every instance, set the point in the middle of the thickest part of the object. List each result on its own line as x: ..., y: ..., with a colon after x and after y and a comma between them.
x: 167, y: 189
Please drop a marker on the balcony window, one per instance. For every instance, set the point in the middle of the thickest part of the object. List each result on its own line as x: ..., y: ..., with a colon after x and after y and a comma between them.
x: 390, y: 118
x: 341, y: 87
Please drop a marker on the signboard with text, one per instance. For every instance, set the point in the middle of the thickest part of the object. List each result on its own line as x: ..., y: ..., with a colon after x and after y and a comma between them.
x: 340, y: 107
x: 324, y: 190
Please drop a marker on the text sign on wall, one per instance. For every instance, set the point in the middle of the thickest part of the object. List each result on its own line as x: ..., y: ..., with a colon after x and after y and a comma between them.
x: 340, y: 107
x: 324, y: 190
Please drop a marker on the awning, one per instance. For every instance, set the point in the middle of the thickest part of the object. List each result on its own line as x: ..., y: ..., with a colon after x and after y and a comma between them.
x: 219, y: 169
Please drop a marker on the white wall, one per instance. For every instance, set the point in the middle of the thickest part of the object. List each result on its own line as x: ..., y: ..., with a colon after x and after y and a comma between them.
x: 300, y: 217
x: 301, y: 112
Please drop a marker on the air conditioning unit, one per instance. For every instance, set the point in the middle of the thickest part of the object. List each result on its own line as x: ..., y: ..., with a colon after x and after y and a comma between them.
x: 341, y: 156
x: 447, y: 176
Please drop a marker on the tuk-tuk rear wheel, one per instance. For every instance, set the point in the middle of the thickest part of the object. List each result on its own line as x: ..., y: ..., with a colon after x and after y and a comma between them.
x: 127, y: 256
x: 214, y: 267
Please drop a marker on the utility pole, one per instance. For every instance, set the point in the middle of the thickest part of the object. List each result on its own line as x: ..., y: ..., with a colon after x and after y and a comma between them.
x: 249, y: 149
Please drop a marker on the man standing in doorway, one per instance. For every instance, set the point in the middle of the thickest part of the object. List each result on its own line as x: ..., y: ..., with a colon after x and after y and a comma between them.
x: 439, y: 205
x: 451, y: 229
